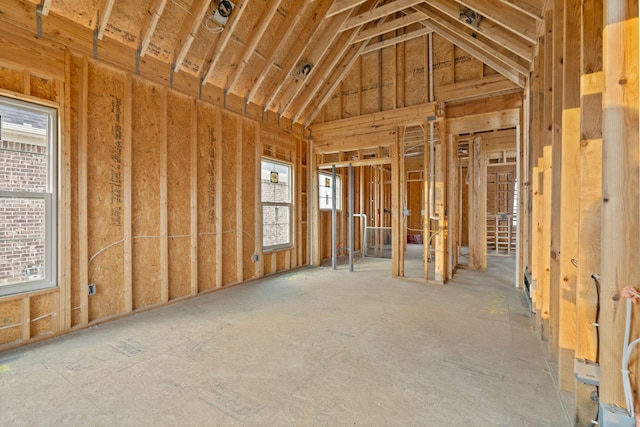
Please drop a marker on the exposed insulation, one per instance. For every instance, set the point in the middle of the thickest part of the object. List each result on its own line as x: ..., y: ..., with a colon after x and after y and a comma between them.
x: 178, y: 194
x: 207, y: 134
x: 42, y: 314
x: 466, y: 66
x: 104, y: 200
x: 249, y: 179
x: 43, y: 88
x: 145, y: 192
x: 10, y: 312
x: 229, y: 217
x: 415, y: 83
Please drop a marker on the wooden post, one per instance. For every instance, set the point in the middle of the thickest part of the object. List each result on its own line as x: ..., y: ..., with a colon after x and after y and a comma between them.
x: 620, y: 216
x: 218, y: 180
x: 479, y: 207
x: 441, y: 268
x: 239, y: 232
x: 453, y: 207
x: 396, y: 207
x: 127, y: 210
x: 426, y: 216
x: 569, y: 195
x: 194, y: 198
x: 83, y: 244
x: 164, y: 214
x: 64, y: 307
x: 259, y: 269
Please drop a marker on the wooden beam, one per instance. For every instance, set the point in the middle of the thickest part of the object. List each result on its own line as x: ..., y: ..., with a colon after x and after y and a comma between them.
x: 188, y: 32
x: 83, y: 237
x: 339, y: 6
x: 504, y: 119
x: 194, y: 198
x: 296, y: 11
x: 103, y: 17
x: 500, y: 35
x: 127, y: 213
x: 149, y: 26
x: 398, y: 39
x: 388, y: 26
x: 213, y: 56
x: 164, y: 211
x: 378, y: 12
x: 620, y: 216
x: 526, y: 8
x: 590, y: 201
x: 511, y: 19
x: 356, y: 163
x: 257, y: 32
x: 474, y: 89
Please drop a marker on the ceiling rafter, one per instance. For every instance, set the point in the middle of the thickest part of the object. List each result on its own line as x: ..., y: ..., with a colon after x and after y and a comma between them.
x: 320, y: 43
x: 378, y: 12
x: 188, y: 32
x: 502, y: 36
x: 526, y: 8
x: 454, y: 27
x: 256, y: 35
x: 398, y: 39
x: 339, y: 6
x: 104, y: 13
x: 149, y: 26
x: 293, y: 59
x: 319, y: 57
x: 508, y: 17
x: 286, y: 28
x: 213, y: 56
x: 389, y: 26
x: 334, y: 85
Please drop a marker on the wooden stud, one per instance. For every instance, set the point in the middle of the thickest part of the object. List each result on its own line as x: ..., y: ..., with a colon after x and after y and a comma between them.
x: 127, y: 213
x: 218, y: 178
x: 194, y: 198
x: 426, y: 216
x: 83, y: 249
x: 25, y: 319
x: 239, y: 227
x: 259, y: 269
x: 396, y: 208
x: 479, y: 191
x: 620, y: 216
x: 164, y: 214
x: 64, y: 309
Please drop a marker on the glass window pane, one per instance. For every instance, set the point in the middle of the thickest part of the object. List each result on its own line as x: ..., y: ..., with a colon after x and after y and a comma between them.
x: 23, y: 149
x: 22, y: 240
x: 275, y: 182
x: 276, y: 225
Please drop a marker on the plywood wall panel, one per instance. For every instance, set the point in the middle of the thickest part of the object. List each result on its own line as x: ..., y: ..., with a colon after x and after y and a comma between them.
x: 370, y: 82
x: 207, y: 154
x: 145, y: 189
x: 104, y: 200
x: 415, y: 82
x: 249, y: 178
x: 229, y: 218
x: 178, y: 194
x: 41, y: 314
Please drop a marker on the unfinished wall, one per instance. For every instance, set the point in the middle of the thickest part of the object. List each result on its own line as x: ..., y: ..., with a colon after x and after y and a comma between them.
x: 159, y: 198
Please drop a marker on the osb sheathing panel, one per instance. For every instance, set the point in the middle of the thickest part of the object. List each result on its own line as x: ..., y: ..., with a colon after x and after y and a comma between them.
x: 351, y: 92
x: 11, y: 79
x: 40, y: 306
x: 414, y: 75
x: 126, y: 21
x: 164, y: 38
x: 145, y: 192
x: 442, y: 63
x: 83, y: 12
x: 399, y: 70
x: 370, y: 82
x: 466, y: 67
x: 230, y: 123
x: 104, y: 181
x: 10, y: 312
x: 332, y: 107
x: 388, y: 72
x: 207, y: 37
x: 74, y: 86
x: 178, y: 193
x: 207, y: 155
x: 249, y: 179
x: 43, y: 88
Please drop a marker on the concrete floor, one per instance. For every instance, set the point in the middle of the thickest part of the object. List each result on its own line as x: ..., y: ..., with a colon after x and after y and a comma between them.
x: 312, y: 347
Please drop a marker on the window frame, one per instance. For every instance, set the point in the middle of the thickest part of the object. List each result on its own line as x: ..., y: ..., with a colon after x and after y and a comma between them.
x: 49, y: 197
x: 338, y: 191
x: 290, y: 205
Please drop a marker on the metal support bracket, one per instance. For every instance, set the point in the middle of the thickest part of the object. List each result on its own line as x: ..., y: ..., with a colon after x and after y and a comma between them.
x: 246, y: 102
x: 200, y: 88
x: 586, y: 371
x: 171, y: 72
x: 613, y: 416
x: 95, y: 43
x: 224, y: 100
x: 39, y: 21
x: 138, y: 62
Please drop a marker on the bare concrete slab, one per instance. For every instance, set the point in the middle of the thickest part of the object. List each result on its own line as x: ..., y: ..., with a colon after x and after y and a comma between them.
x: 312, y: 347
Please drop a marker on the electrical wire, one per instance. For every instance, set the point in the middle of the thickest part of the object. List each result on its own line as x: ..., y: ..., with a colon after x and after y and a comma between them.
x: 631, y: 294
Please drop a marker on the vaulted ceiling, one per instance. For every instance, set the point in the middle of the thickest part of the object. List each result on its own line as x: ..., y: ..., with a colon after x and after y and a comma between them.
x: 288, y: 55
